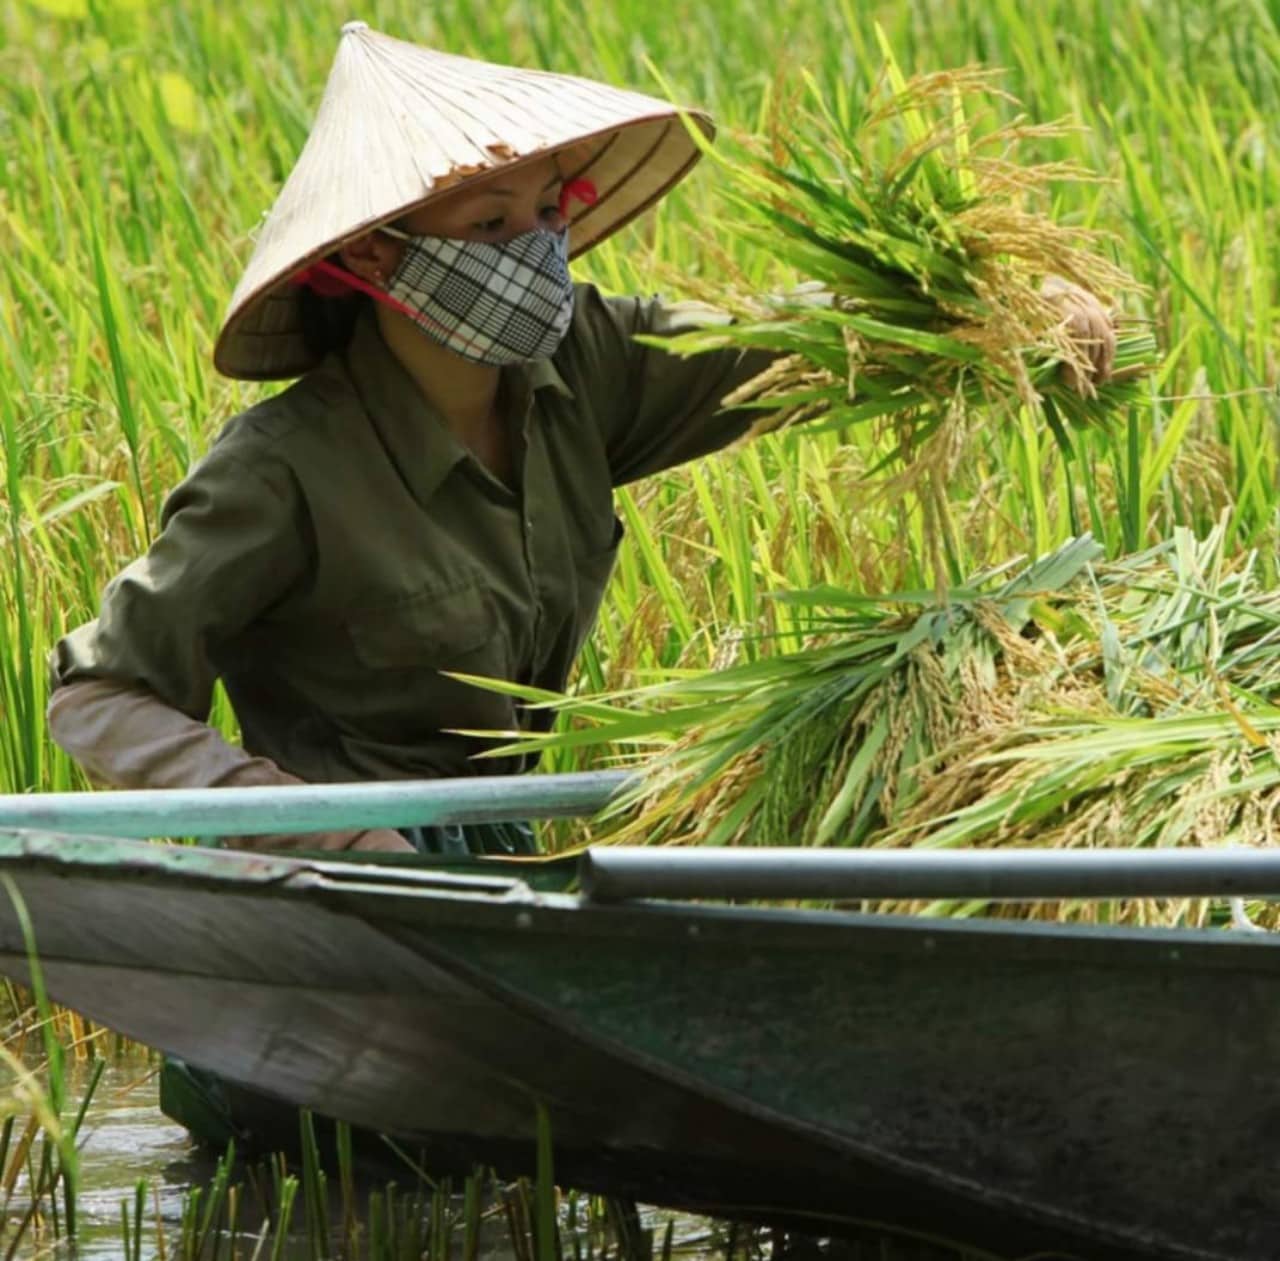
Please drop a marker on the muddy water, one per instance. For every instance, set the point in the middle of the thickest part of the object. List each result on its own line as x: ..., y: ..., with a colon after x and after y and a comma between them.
x: 125, y: 1138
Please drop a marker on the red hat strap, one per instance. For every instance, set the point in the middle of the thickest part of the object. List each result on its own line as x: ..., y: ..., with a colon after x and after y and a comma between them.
x: 331, y: 281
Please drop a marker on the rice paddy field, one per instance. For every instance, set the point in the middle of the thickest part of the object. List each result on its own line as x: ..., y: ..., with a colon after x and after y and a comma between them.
x: 140, y: 144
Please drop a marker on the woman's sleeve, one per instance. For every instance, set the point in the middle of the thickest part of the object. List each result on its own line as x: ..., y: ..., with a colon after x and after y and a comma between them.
x: 657, y: 409
x: 126, y: 737
x: 234, y: 540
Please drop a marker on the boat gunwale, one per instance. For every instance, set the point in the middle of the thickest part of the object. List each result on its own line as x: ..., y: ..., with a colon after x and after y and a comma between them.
x: 507, y: 902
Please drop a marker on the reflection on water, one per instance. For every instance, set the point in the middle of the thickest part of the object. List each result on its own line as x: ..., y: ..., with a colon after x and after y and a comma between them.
x: 125, y: 1137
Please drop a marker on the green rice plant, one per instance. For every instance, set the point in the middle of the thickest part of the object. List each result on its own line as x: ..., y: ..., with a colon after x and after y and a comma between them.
x: 52, y: 1176
x: 315, y: 1190
x: 1075, y: 702
x: 286, y: 1185
x: 131, y: 1225
x: 545, y: 1217
x: 422, y: 1219
x: 211, y: 1212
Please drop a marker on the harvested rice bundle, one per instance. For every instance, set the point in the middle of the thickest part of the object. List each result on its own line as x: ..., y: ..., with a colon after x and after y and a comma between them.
x: 1075, y: 703
x: 914, y: 215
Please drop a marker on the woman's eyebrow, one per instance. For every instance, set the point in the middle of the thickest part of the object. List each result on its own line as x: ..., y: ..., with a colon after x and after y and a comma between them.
x: 511, y: 192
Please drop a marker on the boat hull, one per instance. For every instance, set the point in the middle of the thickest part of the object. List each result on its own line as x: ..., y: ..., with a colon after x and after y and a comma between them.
x: 1006, y: 1086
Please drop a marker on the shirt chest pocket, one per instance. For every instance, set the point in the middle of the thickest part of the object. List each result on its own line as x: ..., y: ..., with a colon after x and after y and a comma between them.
x: 453, y: 627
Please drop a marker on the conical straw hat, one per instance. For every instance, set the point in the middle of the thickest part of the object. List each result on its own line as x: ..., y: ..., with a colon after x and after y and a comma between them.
x: 400, y: 125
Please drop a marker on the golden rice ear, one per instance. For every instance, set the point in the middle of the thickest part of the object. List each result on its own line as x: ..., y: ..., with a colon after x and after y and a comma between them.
x: 400, y: 124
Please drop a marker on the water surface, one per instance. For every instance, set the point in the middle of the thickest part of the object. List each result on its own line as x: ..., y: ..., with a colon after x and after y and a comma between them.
x: 126, y: 1138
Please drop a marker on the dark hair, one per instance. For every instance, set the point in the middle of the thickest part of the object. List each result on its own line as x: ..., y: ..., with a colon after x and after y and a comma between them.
x: 327, y: 323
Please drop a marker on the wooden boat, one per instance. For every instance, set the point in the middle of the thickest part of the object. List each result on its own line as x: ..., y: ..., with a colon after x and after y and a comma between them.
x: 1019, y: 1087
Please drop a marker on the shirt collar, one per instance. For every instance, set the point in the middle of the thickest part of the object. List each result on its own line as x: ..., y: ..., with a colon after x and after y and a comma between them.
x: 413, y: 431
x: 543, y: 374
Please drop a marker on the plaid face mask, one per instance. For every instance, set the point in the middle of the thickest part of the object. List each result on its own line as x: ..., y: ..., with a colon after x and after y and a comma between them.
x: 496, y: 304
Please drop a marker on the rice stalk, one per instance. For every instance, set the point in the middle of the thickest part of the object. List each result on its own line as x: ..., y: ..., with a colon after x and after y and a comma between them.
x: 923, y: 243
x: 1075, y: 702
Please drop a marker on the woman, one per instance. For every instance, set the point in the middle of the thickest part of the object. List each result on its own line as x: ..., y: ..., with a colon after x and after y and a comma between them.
x: 435, y: 493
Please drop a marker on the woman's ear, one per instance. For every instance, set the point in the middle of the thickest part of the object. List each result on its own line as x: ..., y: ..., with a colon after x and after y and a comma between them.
x: 372, y: 257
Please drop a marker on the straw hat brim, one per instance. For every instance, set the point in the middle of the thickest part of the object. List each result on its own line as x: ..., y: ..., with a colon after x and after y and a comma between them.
x: 401, y: 126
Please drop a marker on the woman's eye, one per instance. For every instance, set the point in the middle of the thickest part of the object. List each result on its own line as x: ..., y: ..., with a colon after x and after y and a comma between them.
x: 491, y: 225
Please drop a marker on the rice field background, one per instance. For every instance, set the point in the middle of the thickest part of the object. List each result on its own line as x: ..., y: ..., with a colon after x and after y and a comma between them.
x: 140, y: 143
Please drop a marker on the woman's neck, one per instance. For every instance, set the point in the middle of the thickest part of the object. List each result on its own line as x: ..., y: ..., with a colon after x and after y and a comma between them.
x: 462, y: 391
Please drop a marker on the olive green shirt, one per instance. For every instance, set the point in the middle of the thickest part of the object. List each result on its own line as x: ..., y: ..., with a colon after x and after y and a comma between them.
x: 337, y: 549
